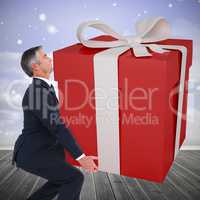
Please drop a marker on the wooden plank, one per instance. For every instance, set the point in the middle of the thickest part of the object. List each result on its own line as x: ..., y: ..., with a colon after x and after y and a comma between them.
x: 103, y: 187
x: 170, y: 191
x: 135, y: 189
x: 38, y: 184
x: 3, y: 153
x: 6, y: 155
x: 192, y: 155
x: 186, y: 157
x: 189, y: 191
x: 119, y: 188
x: 152, y: 191
x: 23, y: 191
x: 33, y: 188
x: 197, y: 152
x: 186, y: 169
x: 12, y: 184
x: 188, y: 177
x: 7, y: 171
x: 5, y: 160
x: 192, y: 165
x: 88, y: 189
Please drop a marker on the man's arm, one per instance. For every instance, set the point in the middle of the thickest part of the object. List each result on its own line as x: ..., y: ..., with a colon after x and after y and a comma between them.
x: 48, y: 114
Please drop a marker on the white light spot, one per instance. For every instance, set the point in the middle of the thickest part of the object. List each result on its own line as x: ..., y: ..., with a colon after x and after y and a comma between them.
x: 96, y: 18
x: 198, y: 1
x: 138, y: 14
x: 13, y: 92
x: 85, y: 5
x: 114, y: 4
x: 42, y: 17
x: 2, y: 23
x: 30, y: 26
x: 170, y: 5
x: 44, y: 39
x: 52, y: 29
x: 145, y: 12
x: 19, y: 42
x: 35, y: 9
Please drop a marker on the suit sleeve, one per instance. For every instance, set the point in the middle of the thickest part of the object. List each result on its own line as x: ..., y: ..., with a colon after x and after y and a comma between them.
x: 48, y: 114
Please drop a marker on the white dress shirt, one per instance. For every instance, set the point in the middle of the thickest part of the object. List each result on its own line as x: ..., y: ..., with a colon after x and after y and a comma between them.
x: 50, y: 83
x: 44, y: 79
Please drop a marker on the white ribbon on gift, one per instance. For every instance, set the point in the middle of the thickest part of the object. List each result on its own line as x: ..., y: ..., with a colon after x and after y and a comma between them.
x: 106, y: 78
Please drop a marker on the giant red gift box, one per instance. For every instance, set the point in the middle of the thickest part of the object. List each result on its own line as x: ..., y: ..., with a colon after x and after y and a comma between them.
x: 146, y: 151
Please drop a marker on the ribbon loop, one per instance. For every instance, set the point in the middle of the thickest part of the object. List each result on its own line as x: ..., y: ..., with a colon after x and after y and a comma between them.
x: 156, y: 48
x: 153, y: 29
x: 97, y: 24
x: 149, y: 30
x: 141, y: 51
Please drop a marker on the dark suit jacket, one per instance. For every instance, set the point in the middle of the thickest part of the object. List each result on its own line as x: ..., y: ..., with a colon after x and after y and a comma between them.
x: 43, y: 127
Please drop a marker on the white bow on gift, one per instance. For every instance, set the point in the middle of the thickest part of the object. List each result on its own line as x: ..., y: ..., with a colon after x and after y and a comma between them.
x: 148, y: 31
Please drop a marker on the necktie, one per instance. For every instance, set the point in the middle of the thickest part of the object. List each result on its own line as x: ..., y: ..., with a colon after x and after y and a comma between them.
x: 53, y: 91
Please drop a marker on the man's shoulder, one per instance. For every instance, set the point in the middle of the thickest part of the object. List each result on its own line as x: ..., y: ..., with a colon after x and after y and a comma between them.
x: 36, y: 90
x: 36, y: 87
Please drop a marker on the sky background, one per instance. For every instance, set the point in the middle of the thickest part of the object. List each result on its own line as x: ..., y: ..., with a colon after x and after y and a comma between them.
x: 53, y: 24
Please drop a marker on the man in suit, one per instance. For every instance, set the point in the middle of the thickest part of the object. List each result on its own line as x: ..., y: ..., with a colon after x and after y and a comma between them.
x: 40, y: 147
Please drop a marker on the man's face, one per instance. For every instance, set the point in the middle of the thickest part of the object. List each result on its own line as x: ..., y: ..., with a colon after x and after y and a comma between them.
x: 45, y: 62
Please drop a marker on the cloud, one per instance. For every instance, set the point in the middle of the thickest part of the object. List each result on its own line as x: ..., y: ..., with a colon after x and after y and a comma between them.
x: 193, y: 127
x: 10, y: 126
x: 183, y: 28
x: 10, y: 65
x: 13, y: 84
x: 13, y: 81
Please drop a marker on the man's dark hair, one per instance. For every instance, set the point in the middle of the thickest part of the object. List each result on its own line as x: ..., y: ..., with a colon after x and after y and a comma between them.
x: 29, y: 57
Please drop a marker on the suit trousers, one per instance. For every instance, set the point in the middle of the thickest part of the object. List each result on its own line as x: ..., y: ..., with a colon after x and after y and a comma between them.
x: 62, y: 179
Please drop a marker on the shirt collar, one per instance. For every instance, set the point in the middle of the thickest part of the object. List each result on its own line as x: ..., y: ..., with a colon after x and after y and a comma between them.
x: 44, y: 79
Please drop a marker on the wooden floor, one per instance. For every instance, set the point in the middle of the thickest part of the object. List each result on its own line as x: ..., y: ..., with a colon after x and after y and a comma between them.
x: 182, y: 182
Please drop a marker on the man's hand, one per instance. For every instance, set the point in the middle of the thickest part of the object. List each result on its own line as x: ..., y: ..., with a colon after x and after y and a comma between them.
x: 87, y: 162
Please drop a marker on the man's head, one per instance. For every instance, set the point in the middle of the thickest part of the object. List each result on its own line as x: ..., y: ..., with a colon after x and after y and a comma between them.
x: 35, y: 62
